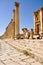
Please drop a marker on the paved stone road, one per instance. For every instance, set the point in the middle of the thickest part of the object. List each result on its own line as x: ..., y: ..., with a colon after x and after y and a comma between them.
x: 9, y: 55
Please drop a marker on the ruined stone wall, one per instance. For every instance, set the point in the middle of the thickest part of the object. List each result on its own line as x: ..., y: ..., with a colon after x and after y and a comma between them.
x: 10, y: 31
x: 38, y: 21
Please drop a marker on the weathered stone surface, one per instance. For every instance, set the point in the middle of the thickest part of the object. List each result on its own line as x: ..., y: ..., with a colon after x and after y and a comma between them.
x: 10, y: 30
x: 26, y: 33
x: 11, y: 52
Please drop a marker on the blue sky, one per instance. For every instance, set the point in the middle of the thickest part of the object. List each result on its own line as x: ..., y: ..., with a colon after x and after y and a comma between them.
x: 27, y: 8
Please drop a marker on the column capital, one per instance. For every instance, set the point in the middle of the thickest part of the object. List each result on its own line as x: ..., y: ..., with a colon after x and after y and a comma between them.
x: 17, y: 4
x: 41, y: 8
x: 13, y: 10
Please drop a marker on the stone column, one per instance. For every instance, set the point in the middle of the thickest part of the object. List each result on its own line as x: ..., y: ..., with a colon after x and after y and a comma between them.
x: 17, y: 19
x: 34, y: 24
x: 13, y: 15
x: 13, y: 25
x: 41, y: 19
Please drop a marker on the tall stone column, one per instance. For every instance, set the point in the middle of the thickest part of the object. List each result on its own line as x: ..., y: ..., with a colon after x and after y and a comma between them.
x: 41, y: 19
x: 17, y: 19
x: 34, y: 24
x: 13, y: 25
x: 13, y: 15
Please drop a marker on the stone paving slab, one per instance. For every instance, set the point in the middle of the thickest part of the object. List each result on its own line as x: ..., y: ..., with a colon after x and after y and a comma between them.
x: 11, y: 56
x: 32, y: 46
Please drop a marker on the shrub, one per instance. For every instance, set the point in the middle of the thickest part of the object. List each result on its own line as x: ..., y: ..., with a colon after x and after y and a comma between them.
x: 28, y: 53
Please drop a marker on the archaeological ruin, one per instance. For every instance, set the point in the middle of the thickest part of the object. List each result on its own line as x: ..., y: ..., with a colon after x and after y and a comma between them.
x: 13, y: 29
x: 38, y: 22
